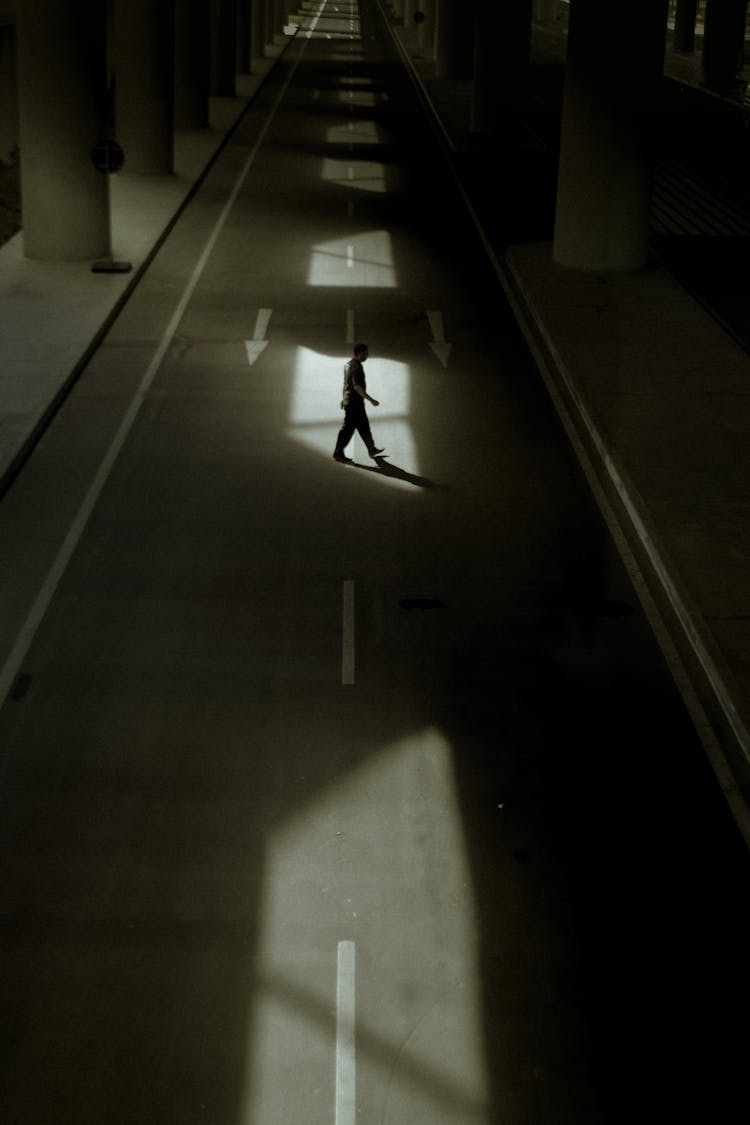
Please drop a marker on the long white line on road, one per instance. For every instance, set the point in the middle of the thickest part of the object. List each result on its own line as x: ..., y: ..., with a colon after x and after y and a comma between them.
x: 347, y: 647
x: 350, y: 326
x: 52, y: 579
x: 346, y: 1089
x: 350, y: 257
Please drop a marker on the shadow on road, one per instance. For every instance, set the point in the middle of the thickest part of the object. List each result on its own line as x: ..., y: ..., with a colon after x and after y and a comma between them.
x: 387, y: 470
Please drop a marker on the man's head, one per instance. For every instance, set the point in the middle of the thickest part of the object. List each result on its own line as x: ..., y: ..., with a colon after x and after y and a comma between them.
x: 360, y: 352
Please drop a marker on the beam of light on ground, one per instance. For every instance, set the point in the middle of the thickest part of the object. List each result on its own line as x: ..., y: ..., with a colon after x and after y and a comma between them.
x: 370, y: 254
x: 315, y: 415
x: 376, y: 858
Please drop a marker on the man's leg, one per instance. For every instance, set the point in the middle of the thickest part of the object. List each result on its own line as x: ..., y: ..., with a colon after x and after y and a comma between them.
x: 362, y: 423
x: 345, y: 433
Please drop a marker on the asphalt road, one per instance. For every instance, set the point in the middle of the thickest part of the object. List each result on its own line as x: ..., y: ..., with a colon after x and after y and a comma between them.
x: 342, y: 793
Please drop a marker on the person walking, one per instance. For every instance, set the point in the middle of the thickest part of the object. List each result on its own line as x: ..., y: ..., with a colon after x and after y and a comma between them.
x: 353, y: 405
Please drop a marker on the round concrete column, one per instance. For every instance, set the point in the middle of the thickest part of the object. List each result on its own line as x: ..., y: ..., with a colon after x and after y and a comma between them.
x: 684, y: 25
x: 612, y: 81
x: 723, y: 40
x: 192, y: 63
x: 144, y: 84
x: 62, y: 112
x: 545, y: 10
x: 501, y: 65
x: 224, y: 48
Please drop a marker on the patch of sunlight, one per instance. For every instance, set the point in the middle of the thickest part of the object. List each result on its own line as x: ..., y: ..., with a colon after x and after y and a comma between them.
x: 360, y: 175
x: 353, y: 80
x: 315, y: 415
x: 354, y: 133
x: 364, y: 260
x: 377, y: 858
x: 358, y: 98
x: 335, y: 27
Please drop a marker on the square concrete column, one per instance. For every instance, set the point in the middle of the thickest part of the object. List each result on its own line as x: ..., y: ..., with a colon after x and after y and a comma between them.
x: 62, y: 48
x: 192, y: 63
x: 224, y: 48
x: 454, y: 38
x: 685, y: 16
x: 144, y: 47
x: 723, y: 39
x: 613, y: 79
x: 258, y: 28
x: 244, y: 56
x: 8, y: 91
x: 501, y: 65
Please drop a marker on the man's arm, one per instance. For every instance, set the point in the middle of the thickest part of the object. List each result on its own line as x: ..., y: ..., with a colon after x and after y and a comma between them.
x: 363, y: 393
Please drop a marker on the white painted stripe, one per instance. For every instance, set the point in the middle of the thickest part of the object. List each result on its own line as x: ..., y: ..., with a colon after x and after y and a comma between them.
x: 350, y: 326
x: 346, y: 1091
x: 347, y: 656
x: 52, y: 579
x: 350, y: 172
x: 314, y: 23
x: 349, y: 257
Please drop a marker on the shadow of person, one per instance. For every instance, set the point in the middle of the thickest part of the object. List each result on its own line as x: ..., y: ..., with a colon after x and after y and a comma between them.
x: 387, y: 470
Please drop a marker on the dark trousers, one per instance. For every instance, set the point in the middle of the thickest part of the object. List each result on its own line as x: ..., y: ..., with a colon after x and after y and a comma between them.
x: 355, y: 418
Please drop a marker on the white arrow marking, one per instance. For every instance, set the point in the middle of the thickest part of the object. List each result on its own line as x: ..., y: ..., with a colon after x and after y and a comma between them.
x: 258, y: 344
x: 438, y: 344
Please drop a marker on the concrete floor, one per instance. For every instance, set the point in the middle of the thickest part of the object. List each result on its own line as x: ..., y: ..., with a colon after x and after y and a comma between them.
x: 342, y: 793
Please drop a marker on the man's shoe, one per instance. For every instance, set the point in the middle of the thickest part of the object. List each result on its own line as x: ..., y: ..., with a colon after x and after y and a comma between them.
x: 376, y: 452
x: 342, y: 459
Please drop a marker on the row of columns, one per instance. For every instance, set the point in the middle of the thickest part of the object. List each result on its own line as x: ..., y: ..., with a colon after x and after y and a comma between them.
x: 613, y: 70
x: 723, y: 39
x: 614, y: 66
x: 135, y: 68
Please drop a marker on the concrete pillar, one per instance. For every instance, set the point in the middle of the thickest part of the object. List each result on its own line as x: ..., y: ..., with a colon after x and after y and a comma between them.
x: 684, y: 25
x: 604, y: 180
x: 501, y: 65
x: 269, y: 22
x: 421, y: 39
x: 224, y: 48
x: 62, y: 112
x: 454, y: 38
x: 275, y: 22
x: 723, y: 38
x: 144, y: 84
x: 545, y: 10
x: 258, y: 28
x: 244, y: 58
x: 192, y: 63
x: 8, y: 92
